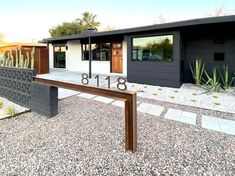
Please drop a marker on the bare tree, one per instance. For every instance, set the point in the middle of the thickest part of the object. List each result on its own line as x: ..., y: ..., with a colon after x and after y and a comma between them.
x: 161, y: 19
x: 110, y: 28
x: 218, y: 11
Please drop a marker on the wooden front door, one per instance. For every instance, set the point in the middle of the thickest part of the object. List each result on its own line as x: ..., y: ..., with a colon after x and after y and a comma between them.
x: 117, y: 57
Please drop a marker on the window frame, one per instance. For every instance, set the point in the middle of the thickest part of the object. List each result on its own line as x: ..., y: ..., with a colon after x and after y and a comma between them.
x: 100, y: 43
x: 152, y: 35
x: 59, y: 46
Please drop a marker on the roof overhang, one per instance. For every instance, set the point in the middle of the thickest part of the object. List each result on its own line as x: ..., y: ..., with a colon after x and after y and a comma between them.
x: 165, y: 26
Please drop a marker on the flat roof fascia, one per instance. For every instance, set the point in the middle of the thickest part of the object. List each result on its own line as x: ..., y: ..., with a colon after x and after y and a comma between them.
x: 166, y: 26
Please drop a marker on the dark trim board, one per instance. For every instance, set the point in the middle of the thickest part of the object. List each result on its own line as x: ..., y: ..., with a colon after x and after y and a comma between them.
x: 146, y: 29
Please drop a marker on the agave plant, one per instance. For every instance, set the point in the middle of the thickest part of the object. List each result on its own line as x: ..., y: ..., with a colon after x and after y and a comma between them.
x: 197, y: 71
x: 213, y: 82
x: 226, y: 80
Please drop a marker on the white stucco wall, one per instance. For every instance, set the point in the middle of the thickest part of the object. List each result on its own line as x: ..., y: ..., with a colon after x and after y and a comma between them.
x: 51, y: 55
x: 74, y: 60
x: 124, y: 57
x: 101, y: 67
x: 73, y: 57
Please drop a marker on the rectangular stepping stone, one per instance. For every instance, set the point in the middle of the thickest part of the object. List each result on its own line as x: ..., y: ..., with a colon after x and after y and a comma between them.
x: 227, y: 126
x: 64, y: 93
x: 144, y: 107
x: 189, y: 118
x: 173, y: 114
x: 218, y: 124
x: 119, y: 103
x: 211, y: 123
x: 104, y: 99
x: 181, y: 116
x: 156, y: 110
x: 86, y: 95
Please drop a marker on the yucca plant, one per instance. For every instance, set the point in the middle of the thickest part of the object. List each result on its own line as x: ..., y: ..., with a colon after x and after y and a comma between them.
x: 213, y: 82
x: 17, y: 58
x: 197, y: 68
x: 226, y: 79
x: 32, y: 57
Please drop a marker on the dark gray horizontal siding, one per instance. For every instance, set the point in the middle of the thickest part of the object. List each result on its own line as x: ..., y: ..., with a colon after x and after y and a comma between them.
x: 155, y: 72
x: 205, y: 48
x: 155, y: 67
x: 153, y: 81
x: 155, y: 75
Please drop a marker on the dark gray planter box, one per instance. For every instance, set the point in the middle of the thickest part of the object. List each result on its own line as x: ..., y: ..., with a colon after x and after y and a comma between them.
x: 44, y: 99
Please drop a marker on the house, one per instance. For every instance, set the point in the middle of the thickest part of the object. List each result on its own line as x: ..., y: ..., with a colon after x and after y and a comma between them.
x: 156, y: 54
x: 41, y: 62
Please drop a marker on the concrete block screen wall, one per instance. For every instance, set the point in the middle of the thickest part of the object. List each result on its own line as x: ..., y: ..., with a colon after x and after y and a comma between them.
x: 15, y: 84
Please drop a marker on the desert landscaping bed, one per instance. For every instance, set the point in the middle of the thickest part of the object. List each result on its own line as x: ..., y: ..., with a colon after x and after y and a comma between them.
x: 9, y: 109
x: 87, y: 138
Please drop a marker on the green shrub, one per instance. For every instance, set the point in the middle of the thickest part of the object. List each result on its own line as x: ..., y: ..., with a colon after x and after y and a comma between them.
x: 226, y: 79
x: 10, y: 111
x: 213, y: 82
x: 197, y: 68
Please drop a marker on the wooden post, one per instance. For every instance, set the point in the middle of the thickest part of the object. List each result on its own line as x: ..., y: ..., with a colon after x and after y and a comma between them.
x: 129, y: 97
x: 131, y: 123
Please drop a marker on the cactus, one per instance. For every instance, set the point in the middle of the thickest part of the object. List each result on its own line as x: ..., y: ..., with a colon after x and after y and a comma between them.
x: 32, y: 57
x: 26, y: 63
x: 4, y: 60
x: 11, y: 64
x: 17, y: 58
x: 8, y: 60
x: 21, y: 62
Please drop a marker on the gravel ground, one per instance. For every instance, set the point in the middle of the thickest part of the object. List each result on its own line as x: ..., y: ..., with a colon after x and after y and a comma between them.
x: 87, y: 138
x: 199, y: 111
x: 189, y: 95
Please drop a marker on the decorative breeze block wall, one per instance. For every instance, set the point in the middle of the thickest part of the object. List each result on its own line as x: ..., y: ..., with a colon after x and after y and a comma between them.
x: 15, y: 85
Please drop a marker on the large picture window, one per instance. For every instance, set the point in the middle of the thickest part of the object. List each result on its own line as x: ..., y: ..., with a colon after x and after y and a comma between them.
x: 154, y: 48
x: 100, y: 51
x: 59, y: 56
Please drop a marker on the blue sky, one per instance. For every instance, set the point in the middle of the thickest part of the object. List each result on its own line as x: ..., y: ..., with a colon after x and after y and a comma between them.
x: 24, y: 20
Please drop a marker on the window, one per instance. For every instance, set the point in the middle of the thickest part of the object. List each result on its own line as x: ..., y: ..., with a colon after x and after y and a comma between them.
x: 154, y: 48
x: 59, y: 56
x: 100, y: 52
x: 218, y: 56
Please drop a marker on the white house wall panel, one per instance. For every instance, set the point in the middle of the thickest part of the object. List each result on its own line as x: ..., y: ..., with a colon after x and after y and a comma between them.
x: 124, y: 56
x: 74, y: 60
x: 51, y: 56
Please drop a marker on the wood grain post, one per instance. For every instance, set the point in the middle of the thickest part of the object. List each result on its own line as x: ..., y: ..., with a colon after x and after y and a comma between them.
x: 129, y: 97
x: 131, y: 123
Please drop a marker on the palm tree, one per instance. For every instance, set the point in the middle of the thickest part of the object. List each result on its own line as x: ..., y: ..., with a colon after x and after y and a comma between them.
x: 88, y: 20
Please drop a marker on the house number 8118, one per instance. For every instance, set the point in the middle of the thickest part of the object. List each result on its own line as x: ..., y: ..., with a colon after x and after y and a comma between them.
x: 121, y: 85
